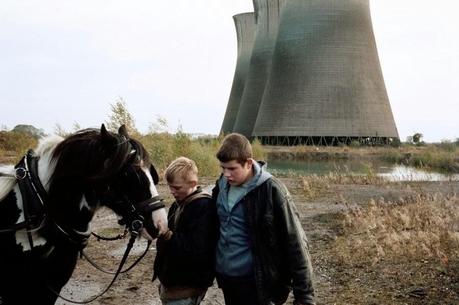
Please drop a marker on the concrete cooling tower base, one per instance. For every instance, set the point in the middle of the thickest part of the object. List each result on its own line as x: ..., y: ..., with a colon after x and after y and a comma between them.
x: 324, y: 141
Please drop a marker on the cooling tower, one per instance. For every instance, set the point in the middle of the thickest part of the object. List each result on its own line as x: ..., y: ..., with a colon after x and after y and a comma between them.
x: 267, y: 22
x: 326, y: 82
x: 245, y: 30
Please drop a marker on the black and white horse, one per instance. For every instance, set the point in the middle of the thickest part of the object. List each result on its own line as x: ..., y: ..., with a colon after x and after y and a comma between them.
x: 48, y: 200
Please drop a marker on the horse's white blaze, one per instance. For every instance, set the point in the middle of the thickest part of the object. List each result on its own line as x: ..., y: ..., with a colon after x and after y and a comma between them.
x: 153, y: 190
x: 159, y: 216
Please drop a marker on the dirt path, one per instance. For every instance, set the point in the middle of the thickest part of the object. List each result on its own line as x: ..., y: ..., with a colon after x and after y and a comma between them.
x: 316, y: 216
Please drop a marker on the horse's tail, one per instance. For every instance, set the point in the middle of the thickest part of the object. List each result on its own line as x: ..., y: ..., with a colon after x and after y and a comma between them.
x: 7, y: 180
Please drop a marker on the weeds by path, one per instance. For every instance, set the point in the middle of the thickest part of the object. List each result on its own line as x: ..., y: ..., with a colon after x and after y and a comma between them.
x: 404, y: 252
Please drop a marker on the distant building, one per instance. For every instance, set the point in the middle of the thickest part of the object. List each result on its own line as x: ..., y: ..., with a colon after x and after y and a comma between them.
x: 324, y: 84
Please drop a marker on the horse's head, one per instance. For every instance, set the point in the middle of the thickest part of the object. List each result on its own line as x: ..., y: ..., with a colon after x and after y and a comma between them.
x: 131, y: 190
x: 98, y: 167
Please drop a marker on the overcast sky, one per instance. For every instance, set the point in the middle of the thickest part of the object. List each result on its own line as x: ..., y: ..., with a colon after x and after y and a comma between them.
x: 65, y: 61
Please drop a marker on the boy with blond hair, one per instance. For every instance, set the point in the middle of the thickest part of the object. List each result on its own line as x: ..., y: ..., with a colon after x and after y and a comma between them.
x: 184, y: 262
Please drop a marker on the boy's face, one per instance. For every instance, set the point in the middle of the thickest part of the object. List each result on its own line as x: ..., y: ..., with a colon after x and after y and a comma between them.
x: 237, y: 173
x: 180, y: 188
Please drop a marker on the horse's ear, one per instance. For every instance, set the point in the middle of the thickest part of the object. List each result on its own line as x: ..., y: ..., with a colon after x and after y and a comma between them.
x: 107, y: 138
x: 122, y: 131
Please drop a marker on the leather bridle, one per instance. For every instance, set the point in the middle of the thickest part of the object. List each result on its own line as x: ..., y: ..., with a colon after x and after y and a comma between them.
x: 35, y: 217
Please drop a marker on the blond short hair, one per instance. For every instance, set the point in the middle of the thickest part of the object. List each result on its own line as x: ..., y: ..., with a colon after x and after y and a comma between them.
x: 182, y: 167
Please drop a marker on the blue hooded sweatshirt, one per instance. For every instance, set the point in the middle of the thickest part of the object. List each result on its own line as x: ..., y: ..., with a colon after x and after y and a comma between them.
x: 234, y: 255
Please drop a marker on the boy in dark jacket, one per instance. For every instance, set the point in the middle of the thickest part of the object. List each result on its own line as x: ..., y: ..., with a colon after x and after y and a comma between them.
x: 262, y: 251
x: 184, y: 262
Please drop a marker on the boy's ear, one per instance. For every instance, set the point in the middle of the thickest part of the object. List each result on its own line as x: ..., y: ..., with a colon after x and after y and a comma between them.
x: 193, y: 183
x: 249, y: 162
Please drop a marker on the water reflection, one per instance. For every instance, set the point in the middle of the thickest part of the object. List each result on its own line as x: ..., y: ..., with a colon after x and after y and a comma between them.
x: 405, y: 173
x: 389, y: 171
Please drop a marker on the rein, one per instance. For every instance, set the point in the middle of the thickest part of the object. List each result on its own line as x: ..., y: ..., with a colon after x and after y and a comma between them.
x: 95, y: 265
x: 117, y: 237
x: 134, y: 229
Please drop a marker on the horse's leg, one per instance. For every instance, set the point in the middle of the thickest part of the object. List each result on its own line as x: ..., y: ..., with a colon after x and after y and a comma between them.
x: 27, y: 280
x: 15, y: 281
x: 57, y: 271
x: 14, y: 278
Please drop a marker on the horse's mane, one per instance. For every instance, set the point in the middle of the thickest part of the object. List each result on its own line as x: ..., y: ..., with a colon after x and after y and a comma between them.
x: 80, y: 156
x: 83, y: 155
x: 44, y: 151
x: 6, y: 183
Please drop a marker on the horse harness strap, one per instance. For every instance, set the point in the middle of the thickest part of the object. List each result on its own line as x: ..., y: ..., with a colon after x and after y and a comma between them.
x: 151, y: 205
x: 33, y: 195
x: 34, y: 198
x: 199, y: 193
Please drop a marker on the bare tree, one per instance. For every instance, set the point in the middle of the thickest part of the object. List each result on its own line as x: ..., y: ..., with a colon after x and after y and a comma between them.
x: 120, y: 115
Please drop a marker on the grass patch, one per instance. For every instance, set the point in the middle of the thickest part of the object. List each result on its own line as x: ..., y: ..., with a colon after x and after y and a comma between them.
x: 314, y: 185
x: 163, y: 147
x: 397, y: 253
x: 15, y: 144
x: 443, y: 157
x: 416, y: 228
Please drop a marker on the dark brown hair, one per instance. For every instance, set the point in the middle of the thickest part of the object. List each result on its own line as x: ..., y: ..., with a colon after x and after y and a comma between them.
x: 235, y: 147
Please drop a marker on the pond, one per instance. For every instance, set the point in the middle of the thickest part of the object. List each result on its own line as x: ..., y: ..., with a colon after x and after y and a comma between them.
x: 389, y: 171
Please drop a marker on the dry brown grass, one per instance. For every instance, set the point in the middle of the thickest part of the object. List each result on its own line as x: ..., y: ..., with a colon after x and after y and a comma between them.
x: 417, y: 228
x: 314, y: 185
x: 404, y: 252
x: 13, y: 145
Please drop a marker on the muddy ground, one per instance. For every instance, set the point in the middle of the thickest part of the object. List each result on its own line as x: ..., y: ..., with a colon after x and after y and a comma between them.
x: 386, y: 283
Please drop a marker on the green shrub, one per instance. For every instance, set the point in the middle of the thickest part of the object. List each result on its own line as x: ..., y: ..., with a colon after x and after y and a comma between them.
x: 447, y: 146
x: 395, y: 142
x: 258, y: 151
x: 355, y: 143
x: 393, y: 156
x: 160, y: 147
x: 165, y: 147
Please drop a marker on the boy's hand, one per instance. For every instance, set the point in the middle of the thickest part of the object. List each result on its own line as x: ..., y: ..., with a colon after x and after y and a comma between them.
x: 160, y: 221
x: 167, y: 235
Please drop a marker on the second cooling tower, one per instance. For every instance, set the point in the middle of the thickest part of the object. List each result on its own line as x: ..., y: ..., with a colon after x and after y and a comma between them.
x: 245, y: 30
x: 267, y: 22
x: 325, y: 78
